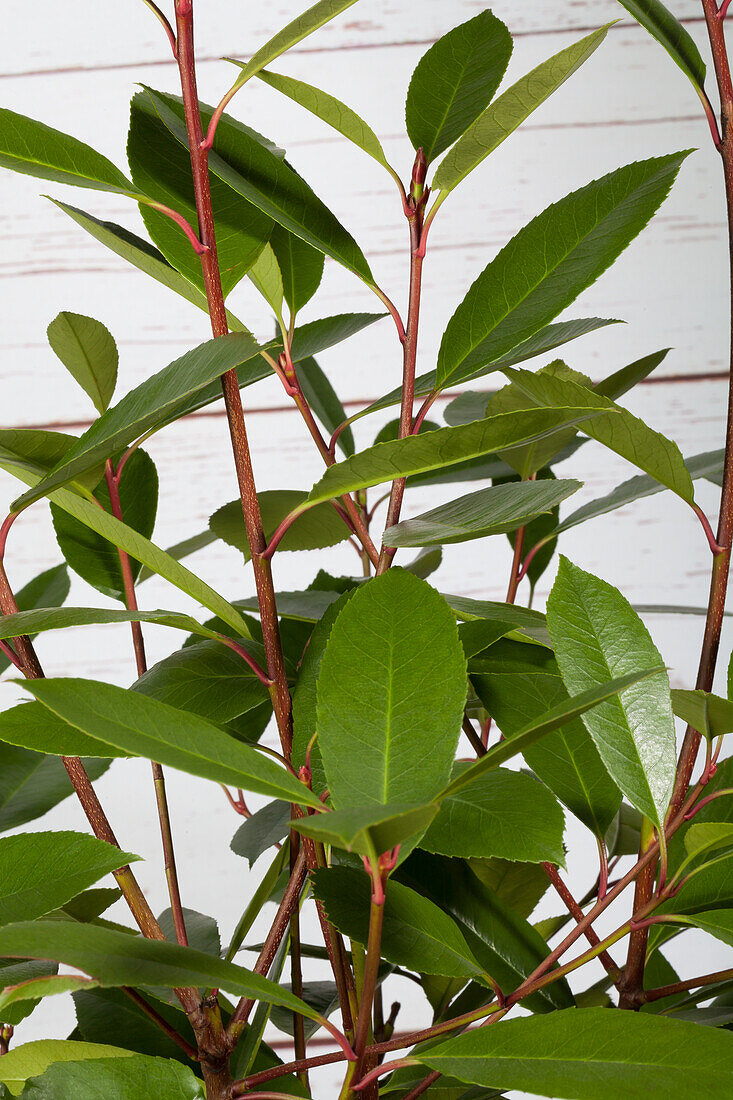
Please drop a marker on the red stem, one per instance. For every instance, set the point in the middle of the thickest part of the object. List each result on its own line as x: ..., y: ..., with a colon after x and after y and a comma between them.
x: 574, y: 909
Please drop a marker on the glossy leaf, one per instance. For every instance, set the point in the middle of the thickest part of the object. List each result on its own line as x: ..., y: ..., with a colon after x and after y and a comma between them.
x: 324, y: 402
x: 505, y: 814
x: 370, y: 830
x: 261, y: 831
x: 507, y: 946
x: 61, y: 618
x: 706, y: 836
x: 305, y: 24
x: 431, y: 451
x: 576, y: 1054
x: 48, y: 589
x: 330, y: 110
x: 149, y: 405
x: 269, y: 184
x: 35, y: 989
x: 455, y: 81
x: 208, y: 679
x: 88, y: 351
x: 31, y: 784
x: 703, y: 465
x: 125, y: 1079
x: 93, y: 557
x: 142, y: 255
x: 107, y: 1015
x: 550, y: 262
x: 32, y: 726
x: 509, y: 111
x: 161, y: 167
x: 716, y: 922
x: 300, y: 266
x: 709, y: 714
x: 491, y: 511
x: 614, y: 427
x: 32, y: 1059
x: 41, y: 871
x: 597, y: 635
x: 518, y: 885
x: 38, y: 150
x: 388, y: 728
x: 305, y: 696
x: 552, y: 719
x: 118, y: 958
x: 320, y: 527
x: 415, y: 934
x: 517, y: 684
x: 667, y: 30
x: 146, y: 727
x: 266, y: 277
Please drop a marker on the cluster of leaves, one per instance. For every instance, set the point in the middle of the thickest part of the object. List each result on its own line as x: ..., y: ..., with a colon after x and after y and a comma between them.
x: 385, y: 671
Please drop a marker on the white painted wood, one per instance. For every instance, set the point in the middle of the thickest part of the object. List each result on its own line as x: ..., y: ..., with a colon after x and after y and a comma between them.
x: 629, y: 102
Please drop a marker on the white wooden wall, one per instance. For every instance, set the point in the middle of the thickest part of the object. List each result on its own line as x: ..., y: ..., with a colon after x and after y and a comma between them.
x: 76, y: 65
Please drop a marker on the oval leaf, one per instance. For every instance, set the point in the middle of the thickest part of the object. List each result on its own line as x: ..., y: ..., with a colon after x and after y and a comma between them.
x: 597, y: 635
x: 388, y: 727
x: 126, y: 1079
x: 88, y: 351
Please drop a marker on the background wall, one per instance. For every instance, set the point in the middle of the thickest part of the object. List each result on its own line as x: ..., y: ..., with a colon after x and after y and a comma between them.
x: 75, y: 66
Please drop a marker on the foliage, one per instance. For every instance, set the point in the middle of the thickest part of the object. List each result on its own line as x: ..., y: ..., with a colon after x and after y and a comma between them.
x: 428, y: 745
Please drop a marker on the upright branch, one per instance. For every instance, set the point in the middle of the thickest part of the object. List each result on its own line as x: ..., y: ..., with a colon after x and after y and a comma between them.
x: 230, y: 385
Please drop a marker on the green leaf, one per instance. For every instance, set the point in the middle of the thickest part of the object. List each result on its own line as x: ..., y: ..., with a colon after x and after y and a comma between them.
x: 315, y: 529
x: 61, y: 618
x: 295, y: 31
x: 93, y: 557
x: 509, y: 111
x: 305, y: 696
x: 265, y: 275
x: 518, y: 885
x: 507, y: 946
x: 88, y: 351
x: 505, y: 814
x: 614, y: 427
x: 32, y: 1059
x: 434, y: 450
x: 388, y: 728
x: 597, y: 635
x: 330, y: 110
x: 308, y: 606
x: 269, y: 184
x: 491, y: 511
x: 147, y: 407
x: 703, y: 465
x: 126, y: 1079
x: 550, y: 262
x: 716, y: 922
x: 118, y: 958
x: 161, y: 168
x: 31, y: 784
x: 706, y: 836
x: 41, y: 871
x: 324, y: 402
x: 261, y: 831
x: 146, y: 727
x: 35, y: 149
x: 202, y: 930
x: 709, y: 714
x: 142, y: 255
x: 48, y: 589
x: 577, y: 1053
x: 415, y: 933
x: 367, y: 830
x: 35, y: 989
x: 455, y: 81
x: 667, y: 30
x: 31, y: 726
x: 301, y: 267
x: 519, y: 683
x: 208, y: 679
x: 551, y: 720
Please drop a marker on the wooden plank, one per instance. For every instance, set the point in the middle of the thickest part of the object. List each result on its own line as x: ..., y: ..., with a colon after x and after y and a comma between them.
x: 88, y: 36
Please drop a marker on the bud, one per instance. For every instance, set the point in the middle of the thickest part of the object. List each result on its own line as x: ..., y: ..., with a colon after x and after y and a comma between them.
x: 419, y: 173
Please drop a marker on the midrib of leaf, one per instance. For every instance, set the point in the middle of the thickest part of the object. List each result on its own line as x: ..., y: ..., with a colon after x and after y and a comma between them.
x: 449, y: 104
x: 88, y: 362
